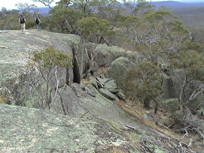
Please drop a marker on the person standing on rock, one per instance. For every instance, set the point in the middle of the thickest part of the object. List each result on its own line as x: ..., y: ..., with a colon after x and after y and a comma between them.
x: 37, y: 21
x: 22, y: 22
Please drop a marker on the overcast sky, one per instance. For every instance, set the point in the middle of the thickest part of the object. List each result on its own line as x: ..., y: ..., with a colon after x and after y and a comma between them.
x: 10, y: 4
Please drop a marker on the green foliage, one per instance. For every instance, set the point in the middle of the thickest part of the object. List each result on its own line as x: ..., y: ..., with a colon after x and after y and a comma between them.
x: 158, y: 16
x: 88, y: 26
x: 128, y: 22
x: 171, y: 105
x: 191, y: 62
x: 25, y: 6
x: 52, y: 57
x: 85, y: 6
x: 93, y: 28
x: 142, y: 7
x: 143, y: 83
x: 30, y: 24
x: 64, y: 20
x: 9, y: 19
x: 156, y: 32
x: 47, y: 3
x: 190, y: 83
x: 64, y: 3
x: 191, y: 45
x: 177, y: 27
x: 49, y: 62
x: 14, y: 27
x: 110, y: 12
x: 197, y: 35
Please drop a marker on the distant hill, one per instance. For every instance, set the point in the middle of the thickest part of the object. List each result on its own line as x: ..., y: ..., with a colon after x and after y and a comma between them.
x: 191, y: 14
x: 172, y: 5
x: 178, y: 5
x: 43, y: 10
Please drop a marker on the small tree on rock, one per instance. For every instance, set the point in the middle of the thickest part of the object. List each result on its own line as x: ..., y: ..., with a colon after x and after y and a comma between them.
x: 49, y: 63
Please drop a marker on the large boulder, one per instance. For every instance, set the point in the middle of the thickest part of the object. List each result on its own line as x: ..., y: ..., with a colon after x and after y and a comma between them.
x: 108, y: 88
x: 118, y: 68
x: 105, y: 55
x: 16, y: 50
x: 168, y: 87
x: 91, y: 68
x: 171, y: 86
x: 106, y: 93
x: 25, y: 86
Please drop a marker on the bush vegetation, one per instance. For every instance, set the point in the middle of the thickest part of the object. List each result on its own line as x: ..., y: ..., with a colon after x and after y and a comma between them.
x: 144, y: 83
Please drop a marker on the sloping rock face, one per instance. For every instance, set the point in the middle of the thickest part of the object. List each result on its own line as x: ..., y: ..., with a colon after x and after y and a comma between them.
x: 32, y: 130
x: 104, y: 55
x: 16, y: 48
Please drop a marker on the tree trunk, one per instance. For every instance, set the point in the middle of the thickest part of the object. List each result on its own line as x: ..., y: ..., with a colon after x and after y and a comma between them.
x: 156, y: 108
x: 181, y: 108
x: 146, y: 104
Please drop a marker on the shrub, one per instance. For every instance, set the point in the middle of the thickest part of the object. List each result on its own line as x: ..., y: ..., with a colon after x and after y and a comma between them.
x: 49, y: 63
x: 143, y: 82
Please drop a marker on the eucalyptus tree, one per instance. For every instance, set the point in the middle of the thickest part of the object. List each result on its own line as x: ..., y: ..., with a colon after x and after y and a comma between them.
x: 64, y: 19
x: 110, y: 11
x: 65, y: 3
x: 95, y: 30
x: 90, y: 6
x: 47, y: 3
x: 126, y: 28
x: 143, y: 6
x: 187, y: 71
x: 9, y: 19
x: 191, y: 83
x: 157, y: 35
x: 138, y: 7
x: 130, y: 5
x: 25, y: 6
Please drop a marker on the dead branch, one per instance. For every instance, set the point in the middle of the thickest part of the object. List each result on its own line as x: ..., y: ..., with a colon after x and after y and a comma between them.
x: 199, y: 132
x: 57, y: 83
x: 145, y: 147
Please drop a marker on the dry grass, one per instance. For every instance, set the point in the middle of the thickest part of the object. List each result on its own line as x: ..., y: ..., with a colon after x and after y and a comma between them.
x: 3, y: 101
x: 102, y: 70
x: 85, y: 82
x: 137, y: 111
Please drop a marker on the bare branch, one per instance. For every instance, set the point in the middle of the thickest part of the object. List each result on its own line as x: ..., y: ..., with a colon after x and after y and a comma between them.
x: 45, y: 2
x: 196, y: 92
x: 57, y: 83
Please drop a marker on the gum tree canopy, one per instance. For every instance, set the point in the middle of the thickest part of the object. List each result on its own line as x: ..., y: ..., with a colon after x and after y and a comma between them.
x: 45, y: 2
